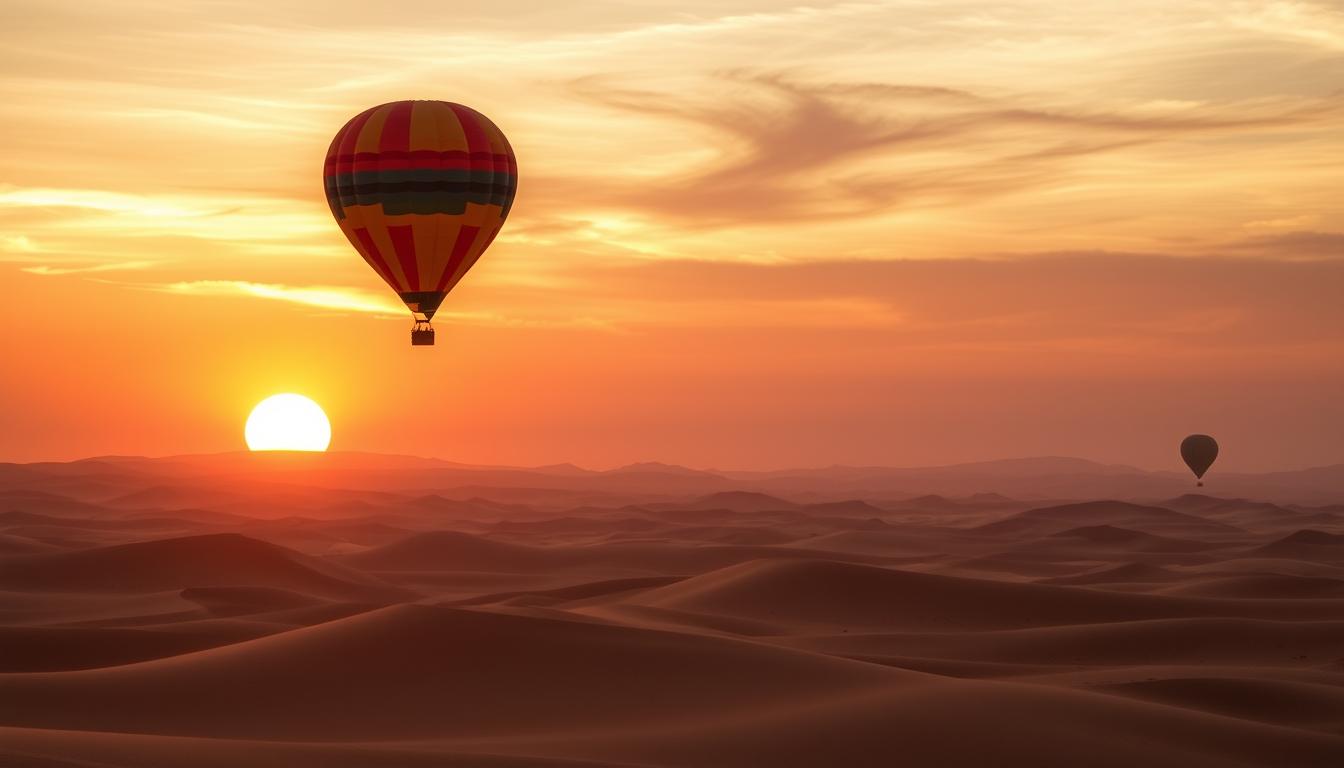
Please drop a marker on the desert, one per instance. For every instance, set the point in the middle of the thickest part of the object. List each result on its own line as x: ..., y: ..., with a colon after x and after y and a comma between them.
x: 350, y: 609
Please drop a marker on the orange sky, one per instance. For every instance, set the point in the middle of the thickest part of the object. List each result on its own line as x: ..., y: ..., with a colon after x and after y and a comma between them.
x: 746, y: 235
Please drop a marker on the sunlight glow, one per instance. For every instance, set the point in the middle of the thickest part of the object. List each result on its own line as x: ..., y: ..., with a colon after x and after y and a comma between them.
x: 287, y: 422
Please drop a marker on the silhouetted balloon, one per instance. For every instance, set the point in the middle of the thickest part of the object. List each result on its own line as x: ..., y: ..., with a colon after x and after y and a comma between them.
x: 420, y: 188
x: 1199, y: 451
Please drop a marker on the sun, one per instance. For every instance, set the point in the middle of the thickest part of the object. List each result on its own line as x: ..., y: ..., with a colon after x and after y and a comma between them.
x: 287, y: 422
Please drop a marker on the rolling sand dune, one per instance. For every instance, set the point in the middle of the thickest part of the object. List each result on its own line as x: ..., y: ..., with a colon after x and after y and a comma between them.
x: 1258, y: 515
x: 1128, y: 573
x: 457, y: 551
x: 40, y: 748
x: 1049, y: 520
x: 1306, y: 545
x: 355, y: 610
x: 453, y: 550
x: 195, y: 561
x: 234, y: 601
x: 1123, y: 538
x: 1286, y: 703
x: 802, y: 593
x: 43, y: 649
x: 416, y: 671
x: 13, y: 520
x: 1267, y: 585
x: 26, y: 505
x: 1155, y: 641
x: 928, y: 725
x: 11, y: 544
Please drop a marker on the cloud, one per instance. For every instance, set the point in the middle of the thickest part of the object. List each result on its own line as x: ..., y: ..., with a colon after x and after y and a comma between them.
x: 668, y: 130
x: 787, y: 149
x: 1150, y: 303
x: 94, y: 200
x: 1320, y: 24
x: 219, y: 216
x: 325, y: 297
x: 1293, y: 245
x: 345, y: 299
x: 17, y: 244
x: 43, y: 269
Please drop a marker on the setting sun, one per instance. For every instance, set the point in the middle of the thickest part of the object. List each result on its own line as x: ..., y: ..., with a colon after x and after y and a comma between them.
x: 287, y: 422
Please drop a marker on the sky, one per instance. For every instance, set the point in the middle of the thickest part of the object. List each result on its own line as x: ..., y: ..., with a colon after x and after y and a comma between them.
x: 747, y: 234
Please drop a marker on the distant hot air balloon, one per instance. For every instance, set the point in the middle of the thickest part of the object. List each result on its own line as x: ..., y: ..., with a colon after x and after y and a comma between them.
x: 1199, y: 451
x: 420, y: 188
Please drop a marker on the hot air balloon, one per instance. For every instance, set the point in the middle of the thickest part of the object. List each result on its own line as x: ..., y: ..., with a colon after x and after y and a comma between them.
x: 1199, y: 451
x: 420, y: 188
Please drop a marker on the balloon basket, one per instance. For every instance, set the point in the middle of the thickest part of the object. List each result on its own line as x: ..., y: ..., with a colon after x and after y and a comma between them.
x: 422, y: 335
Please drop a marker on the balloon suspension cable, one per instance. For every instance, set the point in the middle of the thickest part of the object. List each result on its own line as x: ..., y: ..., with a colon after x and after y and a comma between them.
x: 422, y: 333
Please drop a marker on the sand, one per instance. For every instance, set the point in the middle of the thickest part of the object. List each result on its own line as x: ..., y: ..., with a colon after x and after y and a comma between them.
x: 357, y: 610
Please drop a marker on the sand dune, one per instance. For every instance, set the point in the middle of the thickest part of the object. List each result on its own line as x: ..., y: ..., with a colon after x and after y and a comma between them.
x: 352, y: 610
x: 194, y: 561
x: 458, y: 551
x: 1121, y: 574
x: 734, y: 501
x: 454, y: 550
x: 234, y: 601
x: 1305, y: 545
x: 41, y: 748
x: 16, y: 520
x: 421, y: 671
x: 574, y: 592
x: 43, y: 649
x: 1287, y: 703
x: 11, y: 544
x: 1269, y: 585
x: 795, y: 593
x: 1049, y: 520
x: 804, y: 592
x: 21, y: 505
x: 1123, y: 538
x: 927, y: 725
x: 1258, y: 515
x: 1155, y: 641
x: 42, y: 608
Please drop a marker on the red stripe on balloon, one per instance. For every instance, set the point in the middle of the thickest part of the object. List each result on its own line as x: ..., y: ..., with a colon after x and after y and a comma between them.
x: 342, y: 161
x: 372, y: 255
x: 465, y: 237
x: 396, y: 135
x: 478, y: 143
x: 403, y: 242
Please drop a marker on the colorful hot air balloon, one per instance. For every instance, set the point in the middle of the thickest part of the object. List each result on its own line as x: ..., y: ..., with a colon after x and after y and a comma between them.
x: 420, y: 188
x: 1199, y: 451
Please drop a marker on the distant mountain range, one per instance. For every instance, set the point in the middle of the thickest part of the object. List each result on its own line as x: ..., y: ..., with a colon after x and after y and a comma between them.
x: 154, y: 482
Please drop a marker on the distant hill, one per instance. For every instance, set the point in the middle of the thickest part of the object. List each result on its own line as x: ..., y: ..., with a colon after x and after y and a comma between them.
x: 1106, y: 518
x: 276, y: 484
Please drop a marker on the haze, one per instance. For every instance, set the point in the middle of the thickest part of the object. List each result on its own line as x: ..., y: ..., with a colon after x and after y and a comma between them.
x: 747, y: 235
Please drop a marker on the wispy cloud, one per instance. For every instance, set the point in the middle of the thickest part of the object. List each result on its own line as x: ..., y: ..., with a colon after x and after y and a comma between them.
x: 222, y: 216
x: 1292, y: 245
x: 94, y: 200
x: 17, y: 244
x: 1319, y: 23
x: 1224, y: 304
x: 43, y: 269
x: 800, y: 131
x: 787, y: 149
x: 326, y: 297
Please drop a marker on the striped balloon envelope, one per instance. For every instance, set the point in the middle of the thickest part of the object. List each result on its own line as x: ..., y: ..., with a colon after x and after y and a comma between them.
x: 421, y: 189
